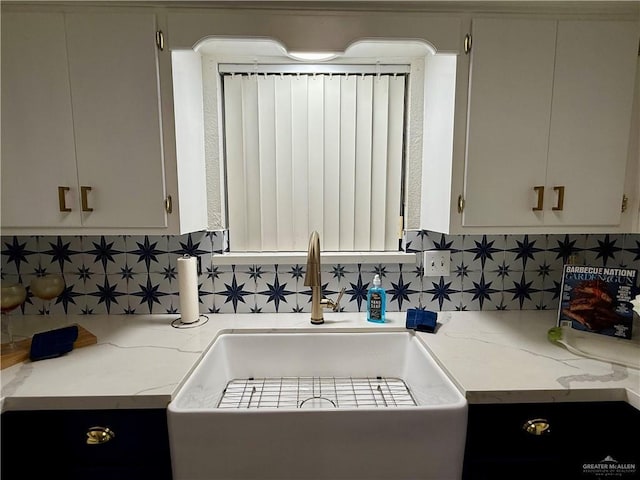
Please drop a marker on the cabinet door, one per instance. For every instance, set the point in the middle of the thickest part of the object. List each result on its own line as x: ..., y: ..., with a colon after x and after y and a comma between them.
x: 582, y: 440
x: 56, y: 441
x: 113, y: 69
x: 590, y: 121
x: 38, y: 152
x: 510, y: 87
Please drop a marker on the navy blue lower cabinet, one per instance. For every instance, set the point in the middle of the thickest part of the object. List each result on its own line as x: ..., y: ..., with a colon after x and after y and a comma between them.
x: 85, y: 444
x: 585, y: 440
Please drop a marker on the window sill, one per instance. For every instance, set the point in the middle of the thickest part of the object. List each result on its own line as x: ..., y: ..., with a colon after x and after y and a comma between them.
x: 298, y: 258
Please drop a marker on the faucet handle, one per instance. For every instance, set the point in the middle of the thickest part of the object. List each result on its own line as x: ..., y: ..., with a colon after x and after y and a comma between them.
x: 336, y: 304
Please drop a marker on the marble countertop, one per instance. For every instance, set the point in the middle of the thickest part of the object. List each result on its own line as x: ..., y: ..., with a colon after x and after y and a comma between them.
x: 140, y: 361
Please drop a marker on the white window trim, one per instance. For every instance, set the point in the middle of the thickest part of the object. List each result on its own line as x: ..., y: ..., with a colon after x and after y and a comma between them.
x: 213, y: 129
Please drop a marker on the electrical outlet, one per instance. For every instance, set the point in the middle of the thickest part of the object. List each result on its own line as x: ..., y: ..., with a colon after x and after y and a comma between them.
x: 436, y: 263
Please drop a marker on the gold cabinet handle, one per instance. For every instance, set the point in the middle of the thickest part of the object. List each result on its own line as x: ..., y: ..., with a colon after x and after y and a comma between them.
x: 61, y: 199
x: 467, y: 43
x: 540, y: 191
x: 560, y: 201
x: 85, y: 202
x: 168, y: 204
x: 537, y: 426
x: 99, y: 435
x: 160, y: 40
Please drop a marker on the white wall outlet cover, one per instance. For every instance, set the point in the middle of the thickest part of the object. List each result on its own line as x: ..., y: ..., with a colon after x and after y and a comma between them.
x: 436, y: 263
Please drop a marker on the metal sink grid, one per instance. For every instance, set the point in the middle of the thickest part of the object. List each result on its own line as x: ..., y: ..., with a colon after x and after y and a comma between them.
x: 316, y: 392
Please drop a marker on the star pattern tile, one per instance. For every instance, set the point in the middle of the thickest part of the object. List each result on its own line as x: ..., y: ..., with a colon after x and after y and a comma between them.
x: 400, y: 292
x: 103, y: 252
x: 138, y: 274
x: 146, y: 252
x: 234, y: 293
x: 358, y: 292
x: 60, y: 252
x: 606, y: 250
x: 483, y: 250
x: 276, y: 293
x: 481, y: 291
x: 107, y: 293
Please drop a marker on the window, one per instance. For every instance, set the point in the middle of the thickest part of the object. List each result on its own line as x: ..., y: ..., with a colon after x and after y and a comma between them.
x: 314, y: 149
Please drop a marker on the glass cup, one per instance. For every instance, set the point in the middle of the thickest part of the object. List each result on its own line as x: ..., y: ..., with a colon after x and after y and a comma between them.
x: 47, y: 287
x: 12, y: 295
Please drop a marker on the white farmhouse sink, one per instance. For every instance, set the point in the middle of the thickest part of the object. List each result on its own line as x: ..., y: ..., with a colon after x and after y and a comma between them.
x: 317, y: 406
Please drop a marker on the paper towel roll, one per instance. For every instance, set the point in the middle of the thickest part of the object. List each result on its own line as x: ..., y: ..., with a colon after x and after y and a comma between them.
x: 188, y: 286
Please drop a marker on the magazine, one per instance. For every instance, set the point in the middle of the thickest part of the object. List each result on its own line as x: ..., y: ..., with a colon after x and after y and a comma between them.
x: 598, y: 299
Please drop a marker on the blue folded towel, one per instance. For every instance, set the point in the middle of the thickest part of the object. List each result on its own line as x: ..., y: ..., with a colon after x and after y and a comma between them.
x: 421, y: 320
x: 53, y: 343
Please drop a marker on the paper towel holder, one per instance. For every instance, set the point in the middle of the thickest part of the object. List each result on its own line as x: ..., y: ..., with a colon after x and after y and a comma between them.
x: 188, y: 290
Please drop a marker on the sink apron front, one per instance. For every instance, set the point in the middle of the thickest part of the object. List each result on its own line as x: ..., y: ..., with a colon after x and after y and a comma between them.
x: 370, y: 441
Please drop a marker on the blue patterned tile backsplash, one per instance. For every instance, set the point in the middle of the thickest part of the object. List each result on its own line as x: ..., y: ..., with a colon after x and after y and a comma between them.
x: 138, y: 274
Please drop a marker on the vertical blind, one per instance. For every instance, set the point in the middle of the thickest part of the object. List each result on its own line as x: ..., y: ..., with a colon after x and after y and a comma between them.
x: 311, y: 152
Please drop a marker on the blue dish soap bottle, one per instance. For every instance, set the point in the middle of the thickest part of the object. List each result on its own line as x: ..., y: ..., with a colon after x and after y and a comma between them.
x: 376, y: 302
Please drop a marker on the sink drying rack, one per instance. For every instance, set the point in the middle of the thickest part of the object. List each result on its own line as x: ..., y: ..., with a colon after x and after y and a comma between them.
x: 316, y: 392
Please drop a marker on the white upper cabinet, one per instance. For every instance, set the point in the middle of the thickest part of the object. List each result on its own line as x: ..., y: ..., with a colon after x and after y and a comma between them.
x: 509, y: 109
x: 548, y: 127
x: 113, y: 71
x: 38, y: 150
x: 83, y: 147
x: 590, y: 120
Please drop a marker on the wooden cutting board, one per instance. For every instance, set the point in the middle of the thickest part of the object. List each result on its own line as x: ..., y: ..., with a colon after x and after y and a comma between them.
x: 21, y: 353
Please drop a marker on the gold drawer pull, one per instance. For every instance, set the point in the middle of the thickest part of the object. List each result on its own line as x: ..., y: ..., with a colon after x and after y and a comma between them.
x: 85, y: 202
x: 99, y: 435
x: 560, y: 202
x: 61, y: 199
x: 540, y: 191
x: 537, y: 426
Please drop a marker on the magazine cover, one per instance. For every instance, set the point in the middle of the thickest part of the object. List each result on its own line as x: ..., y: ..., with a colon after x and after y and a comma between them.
x: 598, y: 299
